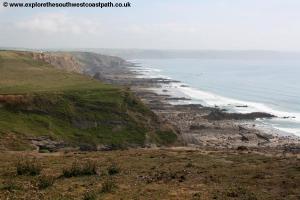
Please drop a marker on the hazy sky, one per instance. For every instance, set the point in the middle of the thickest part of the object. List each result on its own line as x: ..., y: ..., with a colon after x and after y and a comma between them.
x: 157, y: 24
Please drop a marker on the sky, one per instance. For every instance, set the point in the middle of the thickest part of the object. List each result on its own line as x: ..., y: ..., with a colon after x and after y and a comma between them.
x: 157, y: 24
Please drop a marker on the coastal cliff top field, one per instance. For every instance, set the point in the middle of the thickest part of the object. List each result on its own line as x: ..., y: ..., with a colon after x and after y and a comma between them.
x: 21, y: 74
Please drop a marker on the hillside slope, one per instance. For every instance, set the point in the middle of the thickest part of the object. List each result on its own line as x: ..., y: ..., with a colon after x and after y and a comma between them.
x: 53, y: 108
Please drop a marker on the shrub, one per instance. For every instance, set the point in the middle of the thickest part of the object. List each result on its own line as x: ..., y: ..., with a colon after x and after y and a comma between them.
x: 89, y: 168
x: 81, y: 169
x: 45, y: 181
x: 240, y: 193
x: 108, y: 186
x: 30, y: 167
x: 9, y: 186
x: 113, y: 169
x: 166, y: 137
x: 90, y: 195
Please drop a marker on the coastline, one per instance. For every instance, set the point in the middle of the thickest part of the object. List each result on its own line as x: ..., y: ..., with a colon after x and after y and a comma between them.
x: 199, y: 126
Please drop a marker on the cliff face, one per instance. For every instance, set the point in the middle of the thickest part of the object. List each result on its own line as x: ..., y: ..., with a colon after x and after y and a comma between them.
x: 80, y: 62
x: 63, y: 61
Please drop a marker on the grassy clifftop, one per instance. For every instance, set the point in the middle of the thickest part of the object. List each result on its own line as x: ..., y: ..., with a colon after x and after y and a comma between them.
x: 37, y: 99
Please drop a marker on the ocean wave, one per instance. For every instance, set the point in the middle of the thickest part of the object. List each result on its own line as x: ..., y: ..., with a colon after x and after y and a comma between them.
x: 148, y: 72
x: 240, y: 106
x: 211, y: 99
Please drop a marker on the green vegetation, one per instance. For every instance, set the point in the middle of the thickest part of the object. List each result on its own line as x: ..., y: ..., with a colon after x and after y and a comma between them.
x: 108, y: 186
x: 20, y: 74
x: 38, y: 100
x: 113, y: 169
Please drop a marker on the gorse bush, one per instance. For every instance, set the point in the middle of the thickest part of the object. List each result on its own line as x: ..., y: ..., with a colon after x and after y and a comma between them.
x: 45, y: 181
x: 26, y: 166
x: 108, y: 186
x: 9, y: 186
x: 90, y: 195
x: 113, y: 169
x: 77, y: 168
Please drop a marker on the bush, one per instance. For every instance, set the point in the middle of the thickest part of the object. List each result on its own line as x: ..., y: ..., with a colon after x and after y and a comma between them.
x: 113, y: 169
x: 9, y: 186
x: 240, y: 193
x: 45, y: 181
x: 91, y: 195
x: 81, y: 169
x: 30, y: 167
x: 108, y: 186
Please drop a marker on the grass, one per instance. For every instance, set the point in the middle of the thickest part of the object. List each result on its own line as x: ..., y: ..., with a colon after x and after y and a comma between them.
x: 38, y: 100
x: 158, y: 174
x: 20, y: 74
x: 28, y: 166
x: 45, y: 181
x: 113, y: 169
x: 90, y: 195
x: 86, y: 168
x: 10, y: 186
x: 108, y: 186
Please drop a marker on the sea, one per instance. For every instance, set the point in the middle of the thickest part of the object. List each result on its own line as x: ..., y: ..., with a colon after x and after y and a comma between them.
x: 237, y: 85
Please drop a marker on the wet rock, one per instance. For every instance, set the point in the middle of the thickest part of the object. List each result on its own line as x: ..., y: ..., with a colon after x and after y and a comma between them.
x: 242, y: 128
x: 244, y: 106
x: 292, y: 149
x: 87, y: 147
x: 198, y: 127
x: 219, y: 115
x: 178, y: 99
x: 242, y: 148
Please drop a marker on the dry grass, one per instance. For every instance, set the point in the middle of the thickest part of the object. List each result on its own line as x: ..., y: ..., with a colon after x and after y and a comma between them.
x: 84, y: 168
x: 158, y: 174
x: 28, y: 166
x: 45, y: 181
x: 108, y: 186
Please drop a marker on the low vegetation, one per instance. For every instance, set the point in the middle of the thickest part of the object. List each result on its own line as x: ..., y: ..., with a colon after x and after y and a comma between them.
x: 90, y: 195
x: 84, y: 168
x: 45, y: 181
x: 113, y: 169
x: 108, y: 186
x: 38, y: 100
x: 28, y: 166
x: 155, y: 174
